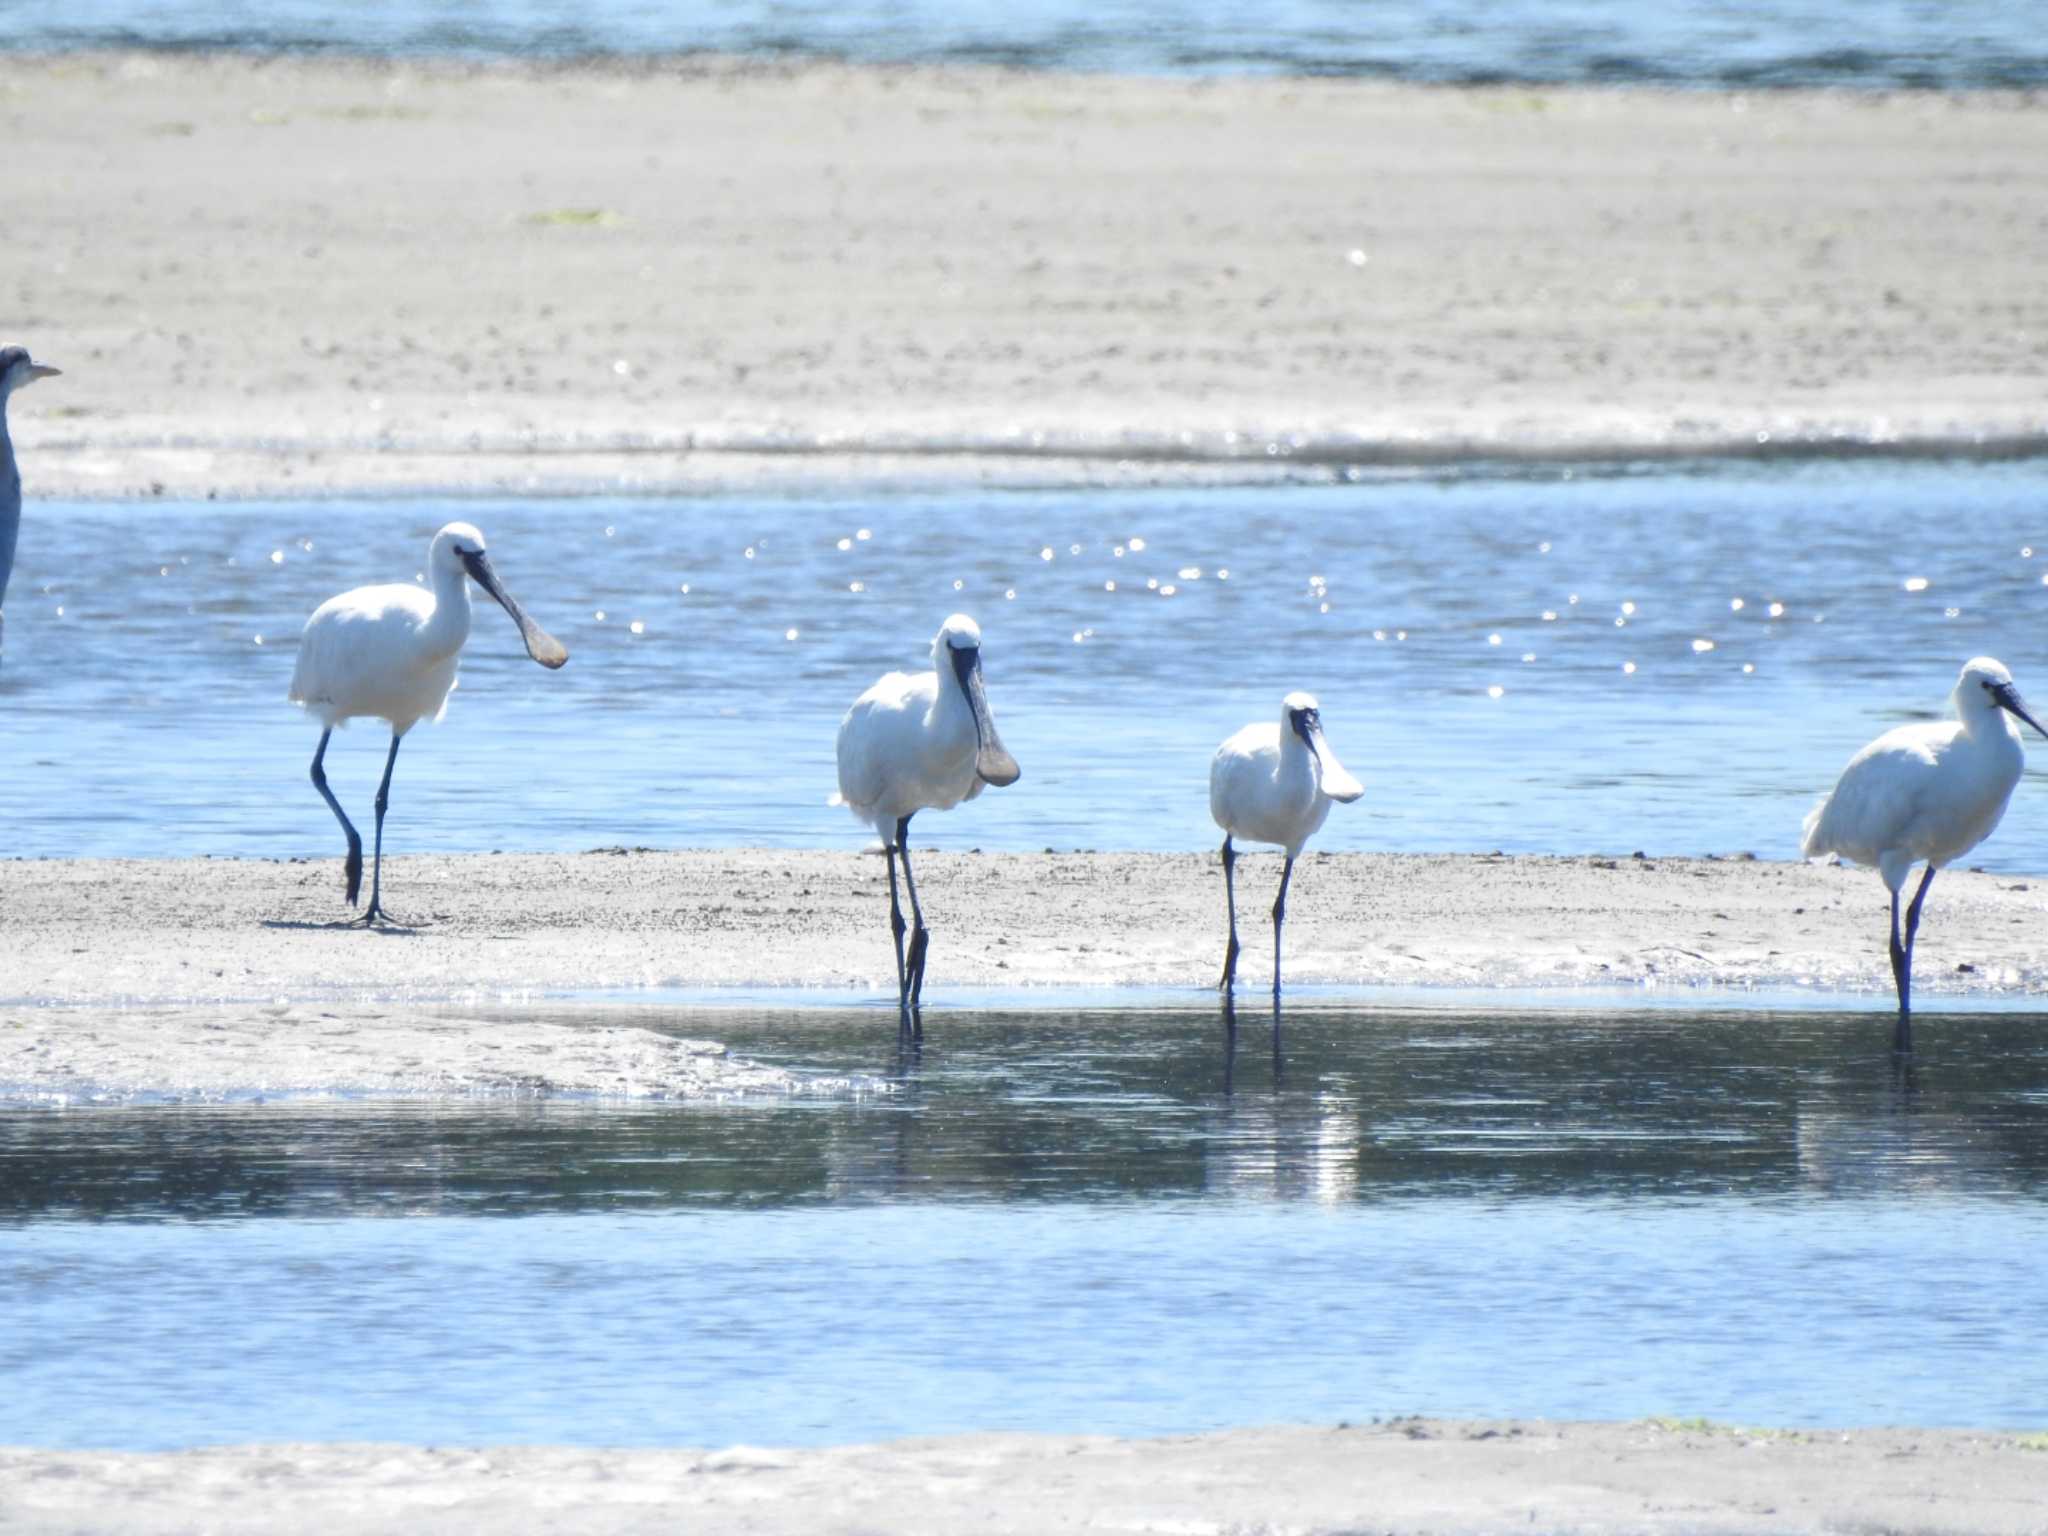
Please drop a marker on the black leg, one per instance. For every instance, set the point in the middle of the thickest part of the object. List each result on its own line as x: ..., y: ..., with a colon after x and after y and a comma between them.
x: 1902, y: 1038
x: 896, y: 927
x: 1899, y: 979
x: 353, y: 869
x: 1279, y: 917
x: 1279, y: 1058
x: 920, y: 935
x: 375, y: 910
x: 1229, y: 900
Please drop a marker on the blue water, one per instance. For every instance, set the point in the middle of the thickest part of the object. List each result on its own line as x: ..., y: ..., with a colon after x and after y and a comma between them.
x: 1082, y: 1222
x: 1882, y: 44
x: 142, y: 706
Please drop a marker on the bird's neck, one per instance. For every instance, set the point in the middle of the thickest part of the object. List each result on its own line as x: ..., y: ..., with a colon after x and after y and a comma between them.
x: 10, y: 500
x: 1297, y: 765
x: 449, y: 626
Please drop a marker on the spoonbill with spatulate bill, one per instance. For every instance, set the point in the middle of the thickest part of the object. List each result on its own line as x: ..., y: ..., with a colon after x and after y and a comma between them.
x: 389, y: 653
x: 1273, y: 783
x: 917, y: 742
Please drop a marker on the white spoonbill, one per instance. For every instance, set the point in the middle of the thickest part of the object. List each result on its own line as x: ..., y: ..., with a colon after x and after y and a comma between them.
x: 17, y: 371
x: 1273, y: 783
x: 917, y: 742
x: 1929, y: 792
x: 388, y: 653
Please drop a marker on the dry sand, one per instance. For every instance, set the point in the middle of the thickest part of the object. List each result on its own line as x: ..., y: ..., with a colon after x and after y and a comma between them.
x: 1406, y: 1476
x: 322, y: 275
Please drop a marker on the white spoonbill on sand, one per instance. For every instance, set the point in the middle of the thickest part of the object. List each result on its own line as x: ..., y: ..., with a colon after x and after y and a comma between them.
x: 1273, y: 783
x: 388, y: 653
x: 1926, y: 793
x: 918, y: 742
x: 17, y: 371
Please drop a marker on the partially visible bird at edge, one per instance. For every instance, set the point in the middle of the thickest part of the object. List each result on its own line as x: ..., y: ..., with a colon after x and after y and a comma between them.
x: 17, y: 371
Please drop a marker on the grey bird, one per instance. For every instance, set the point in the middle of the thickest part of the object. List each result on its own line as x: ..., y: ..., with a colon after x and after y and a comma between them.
x: 17, y: 369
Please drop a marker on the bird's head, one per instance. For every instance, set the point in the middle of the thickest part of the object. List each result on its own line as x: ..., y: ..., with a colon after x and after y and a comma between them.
x: 460, y: 547
x: 957, y: 649
x: 958, y: 633
x: 1986, y: 687
x: 18, y: 370
x: 1303, y: 717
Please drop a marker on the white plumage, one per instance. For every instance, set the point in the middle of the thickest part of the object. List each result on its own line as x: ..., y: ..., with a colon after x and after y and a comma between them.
x: 389, y: 653
x: 1274, y: 782
x: 915, y: 742
x: 1926, y: 793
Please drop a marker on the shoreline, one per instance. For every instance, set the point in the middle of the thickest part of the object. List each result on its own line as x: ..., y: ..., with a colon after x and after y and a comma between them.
x: 1414, y: 1475
x: 311, y: 276
x: 240, y: 979
x: 565, y: 470
x: 513, y: 928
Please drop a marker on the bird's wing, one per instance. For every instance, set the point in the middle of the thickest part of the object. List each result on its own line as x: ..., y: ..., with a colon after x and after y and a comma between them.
x: 1879, y: 795
x: 357, y: 635
x: 1237, y: 770
x: 877, y: 735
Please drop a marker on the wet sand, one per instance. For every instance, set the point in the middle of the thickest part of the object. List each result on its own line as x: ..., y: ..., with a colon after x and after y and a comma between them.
x: 320, y: 276
x: 1415, y: 1475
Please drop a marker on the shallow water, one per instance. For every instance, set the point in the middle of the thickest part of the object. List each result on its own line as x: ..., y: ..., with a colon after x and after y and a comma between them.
x: 1064, y: 1221
x: 142, y: 702
x: 1882, y: 44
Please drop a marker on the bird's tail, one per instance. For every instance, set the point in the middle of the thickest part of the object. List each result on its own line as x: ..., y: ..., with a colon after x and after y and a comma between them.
x: 1811, y: 843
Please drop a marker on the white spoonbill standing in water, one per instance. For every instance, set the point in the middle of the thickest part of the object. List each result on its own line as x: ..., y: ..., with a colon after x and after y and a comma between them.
x: 918, y: 742
x: 17, y: 371
x: 1273, y: 783
x: 388, y: 653
x: 1926, y: 793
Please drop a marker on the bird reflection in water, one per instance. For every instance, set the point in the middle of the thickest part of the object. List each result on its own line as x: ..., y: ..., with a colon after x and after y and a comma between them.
x: 1230, y: 1044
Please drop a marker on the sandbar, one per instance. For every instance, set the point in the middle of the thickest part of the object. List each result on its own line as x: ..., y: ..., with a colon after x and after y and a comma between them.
x: 302, y: 275
x: 216, y: 978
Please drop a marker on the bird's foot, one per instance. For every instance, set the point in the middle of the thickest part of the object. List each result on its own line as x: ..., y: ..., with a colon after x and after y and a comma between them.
x: 375, y: 914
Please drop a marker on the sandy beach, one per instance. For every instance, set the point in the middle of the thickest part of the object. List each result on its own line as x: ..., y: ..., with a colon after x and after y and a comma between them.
x: 1403, y: 1476
x: 322, y: 276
